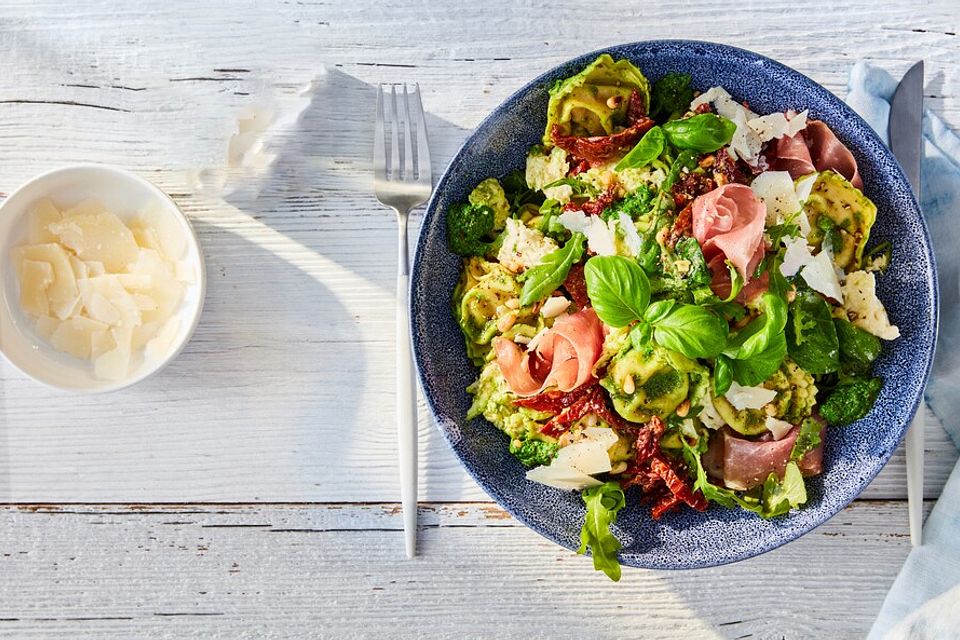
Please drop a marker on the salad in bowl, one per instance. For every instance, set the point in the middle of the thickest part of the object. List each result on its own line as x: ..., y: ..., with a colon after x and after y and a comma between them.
x: 675, y: 294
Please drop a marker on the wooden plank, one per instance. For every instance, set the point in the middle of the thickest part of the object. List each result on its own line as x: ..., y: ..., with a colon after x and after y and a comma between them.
x: 286, y: 391
x: 339, y: 571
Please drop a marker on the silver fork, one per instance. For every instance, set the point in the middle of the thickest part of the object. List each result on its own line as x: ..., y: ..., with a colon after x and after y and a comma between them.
x: 401, y: 187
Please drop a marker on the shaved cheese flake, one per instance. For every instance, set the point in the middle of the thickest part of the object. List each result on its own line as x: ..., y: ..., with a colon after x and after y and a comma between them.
x: 114, y: 364
x: 795, y: 257
x: 73, y: 336
x: 35, y: 277
x: 46, y: 326
x: 604, y: 435
x: 91, y: 206
x: 630, y: 234
x: 821, y: 276
x: 562, y: 477
x: 44, y: 212
x: 101, y: 289
x: 864, y: 308
x: 749, y: 397
x: 776, y: 190
x: 554, y: 306
x: 100, y: 343
x: 160, y: 345
x: 779, y: 428
x: 804, y: 186
x: 62, y: 292
x: 98, y: 236
x: 778, y: 125
x: 586, y: 456
x: 601, y: 238
x: 709, y: 415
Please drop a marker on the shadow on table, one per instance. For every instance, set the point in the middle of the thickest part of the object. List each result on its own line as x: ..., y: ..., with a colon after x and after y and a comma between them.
x: 317, y: 193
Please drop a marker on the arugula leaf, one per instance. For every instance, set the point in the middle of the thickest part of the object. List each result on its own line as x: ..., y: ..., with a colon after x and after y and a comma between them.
x: 858, y: 348
x: 618, y: 289
x: 543, y: 279
x: 807, y: 439
x: 686, y: 159
x: 703, y: 133
x: 649, y: 148
x: 688, y: 249
x: 779, y: 496
x: 671, y: 95
x: 811, y: 335
x: 694, y: 331
x: 722, y: 375
x: 579, y: 186
x: 603, y: 505
x: 831, y: 232
x: 721, y: 495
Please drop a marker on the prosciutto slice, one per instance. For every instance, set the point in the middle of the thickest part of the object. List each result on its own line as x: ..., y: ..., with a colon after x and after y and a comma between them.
x: 816, y: 148
x: 564, y: 358
x: 747, y: 463
x: 728, y: 223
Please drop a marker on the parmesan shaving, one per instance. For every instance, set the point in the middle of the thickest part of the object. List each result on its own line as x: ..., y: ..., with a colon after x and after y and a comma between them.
x: 100, y: 289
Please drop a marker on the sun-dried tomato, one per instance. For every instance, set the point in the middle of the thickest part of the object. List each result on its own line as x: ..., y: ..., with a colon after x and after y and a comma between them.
x: 703, y: 108
x: 593, y: 207
x: 594, y: 401
x: 682, y: 226
x: 578, y: 166
x: 677, y: 485
x: 689, y: 186
x: 659, y: 477
x: 576, y: 286
x: 637, y: 109
x: 726, y: 169
x: 555, y: 401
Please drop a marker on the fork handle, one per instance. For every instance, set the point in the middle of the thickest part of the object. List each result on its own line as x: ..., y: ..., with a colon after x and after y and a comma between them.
x: 914, y: 446
x: 406, y: 414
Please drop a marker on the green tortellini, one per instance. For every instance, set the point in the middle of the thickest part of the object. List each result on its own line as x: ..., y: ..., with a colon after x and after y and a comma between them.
x: 647, y: 382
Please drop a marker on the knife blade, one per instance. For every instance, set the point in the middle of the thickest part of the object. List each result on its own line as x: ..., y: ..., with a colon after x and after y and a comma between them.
x: 905, y: 130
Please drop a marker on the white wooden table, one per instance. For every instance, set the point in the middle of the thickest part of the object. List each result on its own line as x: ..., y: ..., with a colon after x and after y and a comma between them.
x: 250, y: 489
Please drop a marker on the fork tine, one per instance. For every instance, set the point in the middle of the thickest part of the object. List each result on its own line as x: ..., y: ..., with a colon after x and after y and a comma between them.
x: 407, y: 139
x: 379, y: 155
x: 394, y: 135
x: 423, y: 149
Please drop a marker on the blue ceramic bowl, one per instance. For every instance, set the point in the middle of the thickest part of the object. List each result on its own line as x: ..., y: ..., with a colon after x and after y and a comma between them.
x: 853, y: 454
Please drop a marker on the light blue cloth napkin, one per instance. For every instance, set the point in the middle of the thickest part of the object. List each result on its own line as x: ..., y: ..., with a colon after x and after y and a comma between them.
x: 924, y: 601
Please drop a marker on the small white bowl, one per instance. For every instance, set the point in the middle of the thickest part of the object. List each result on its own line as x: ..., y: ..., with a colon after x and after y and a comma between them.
x: 126, y: 195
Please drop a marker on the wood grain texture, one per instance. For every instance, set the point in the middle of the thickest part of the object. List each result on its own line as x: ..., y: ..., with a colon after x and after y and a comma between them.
x: 286, y: 391
x: 285, y: 394
x: 338, y: 571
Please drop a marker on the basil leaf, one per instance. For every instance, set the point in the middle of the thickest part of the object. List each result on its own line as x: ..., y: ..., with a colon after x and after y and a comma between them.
x: 722, y: 375
x: 603, y: 505
x: 760, y: 332
x: 693, y: 331
x: 811, y: 335
x: 753, y: 370
x: 780, y: 496
x: 543, y: 279
x: 807, y: 439
x: 618, y: 289
x: 858, y: 348
x: 703, y: 133
x: 640, y: 334
x: 649, y: 148
x: 657, y: 311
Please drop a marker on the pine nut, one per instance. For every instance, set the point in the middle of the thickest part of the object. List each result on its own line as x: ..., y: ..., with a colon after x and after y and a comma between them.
x: 683, y: 409
x: 618, y: 468
x: 505, y: 322
x: 628, y: 385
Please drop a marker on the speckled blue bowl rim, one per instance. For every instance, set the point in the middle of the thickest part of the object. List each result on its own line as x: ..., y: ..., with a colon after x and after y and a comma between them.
x: 700, y: 549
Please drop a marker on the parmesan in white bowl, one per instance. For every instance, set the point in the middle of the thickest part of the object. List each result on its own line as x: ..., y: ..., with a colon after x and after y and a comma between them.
x: 103, y: 279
